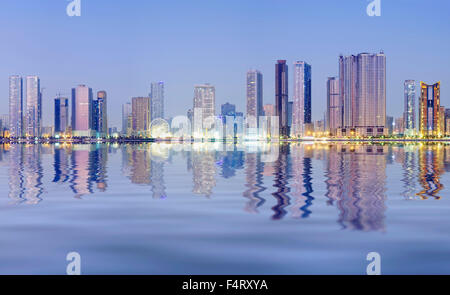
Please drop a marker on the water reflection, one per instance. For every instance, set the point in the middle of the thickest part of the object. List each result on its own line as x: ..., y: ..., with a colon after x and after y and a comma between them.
x: 356, y: 180
x: 431, y: 167
x: 287, y: 180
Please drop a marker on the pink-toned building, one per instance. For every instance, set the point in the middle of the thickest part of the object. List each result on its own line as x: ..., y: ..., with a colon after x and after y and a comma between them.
x: 82, y: 110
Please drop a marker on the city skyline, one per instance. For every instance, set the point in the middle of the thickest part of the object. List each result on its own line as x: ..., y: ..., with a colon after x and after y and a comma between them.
x: 137, y: 67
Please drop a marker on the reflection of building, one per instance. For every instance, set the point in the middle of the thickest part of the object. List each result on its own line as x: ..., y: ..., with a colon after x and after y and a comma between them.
x: 16, y: 177
x: 281, y: 178
x: 25, y: 174
x: 431, y: 167
x: 301, y: 113
x: 140, y: 164
x: 409, y: 171
x: 61, y: 165
x: 203, y: 170
x: 363, y: 94
x: 97, y: 166
x: 356, y: 179
x: 301, y: 181
x: 80, y: 182
x: 157, y: 180
x: 429, y: 108
x: 253, y: 182
x: 231, y: 161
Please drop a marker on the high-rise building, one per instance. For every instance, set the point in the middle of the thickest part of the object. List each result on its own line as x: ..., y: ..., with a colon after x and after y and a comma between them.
x: 363, y: 94
x: 334, y: 107
x: 33, y: 115
x: 94, y: 116
x: 281, y: 96
x: 102, y: 114
x: 442, y: 120
x: 254, y: 95
x: 4, y: 123
x: 390, y: 124
x: 16, y: 106
x: 290, y: 114
x: 228, y: 109
x: 82, y: 98
x: 302, y: 98
x: 429, y: 109
x: 409, y: 114
x: 126, y: 118
x: 204, y: 107
x: 447, y: 122
x: 157, y: 100
x: 141, y: 116
x: 399, y: 128
x: 61, y: 114
x: 269, y: 110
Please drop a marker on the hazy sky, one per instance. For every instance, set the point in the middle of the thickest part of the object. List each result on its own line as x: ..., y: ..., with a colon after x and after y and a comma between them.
x: 122, y: 46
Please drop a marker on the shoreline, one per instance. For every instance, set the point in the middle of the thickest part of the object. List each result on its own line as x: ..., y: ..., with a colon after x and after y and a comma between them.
x: 153, y: 140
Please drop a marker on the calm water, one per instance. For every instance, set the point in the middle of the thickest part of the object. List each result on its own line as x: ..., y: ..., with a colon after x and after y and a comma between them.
x: 215, y: 209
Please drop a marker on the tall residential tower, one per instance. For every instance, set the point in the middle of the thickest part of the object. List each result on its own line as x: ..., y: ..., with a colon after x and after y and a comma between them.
x: 16, y: 106
x: 301, y: 113
x: 33, y: 114
x: 409, y: 114
x: 429, y: 109
x: 254, y: 95
x: 334, y: 107
x: 281, y: 96
x: 363, y: 94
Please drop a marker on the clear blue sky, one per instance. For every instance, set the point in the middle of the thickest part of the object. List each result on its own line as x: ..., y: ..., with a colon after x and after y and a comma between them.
x: 121, y: 46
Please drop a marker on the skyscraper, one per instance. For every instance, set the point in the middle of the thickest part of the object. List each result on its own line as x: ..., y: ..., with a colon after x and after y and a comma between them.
x: 16, y: 106
x: 204, y: 107
x: 157, y: 100
x: 102, y: 115
x: 363, y: 94
x: 61, y: 114
x: 126, y: 118
x: 141, y: 116
x: 254, y: 95
x: 94, y: 116
x: 33, y: 117
x: 4, y: 123
x: 409, y: 115
x: 429, y: 109
x: 334, y: 107
x: 302, y: 98
x: 447, y: 122
x: 82, y: 97
x: 281, y: 96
